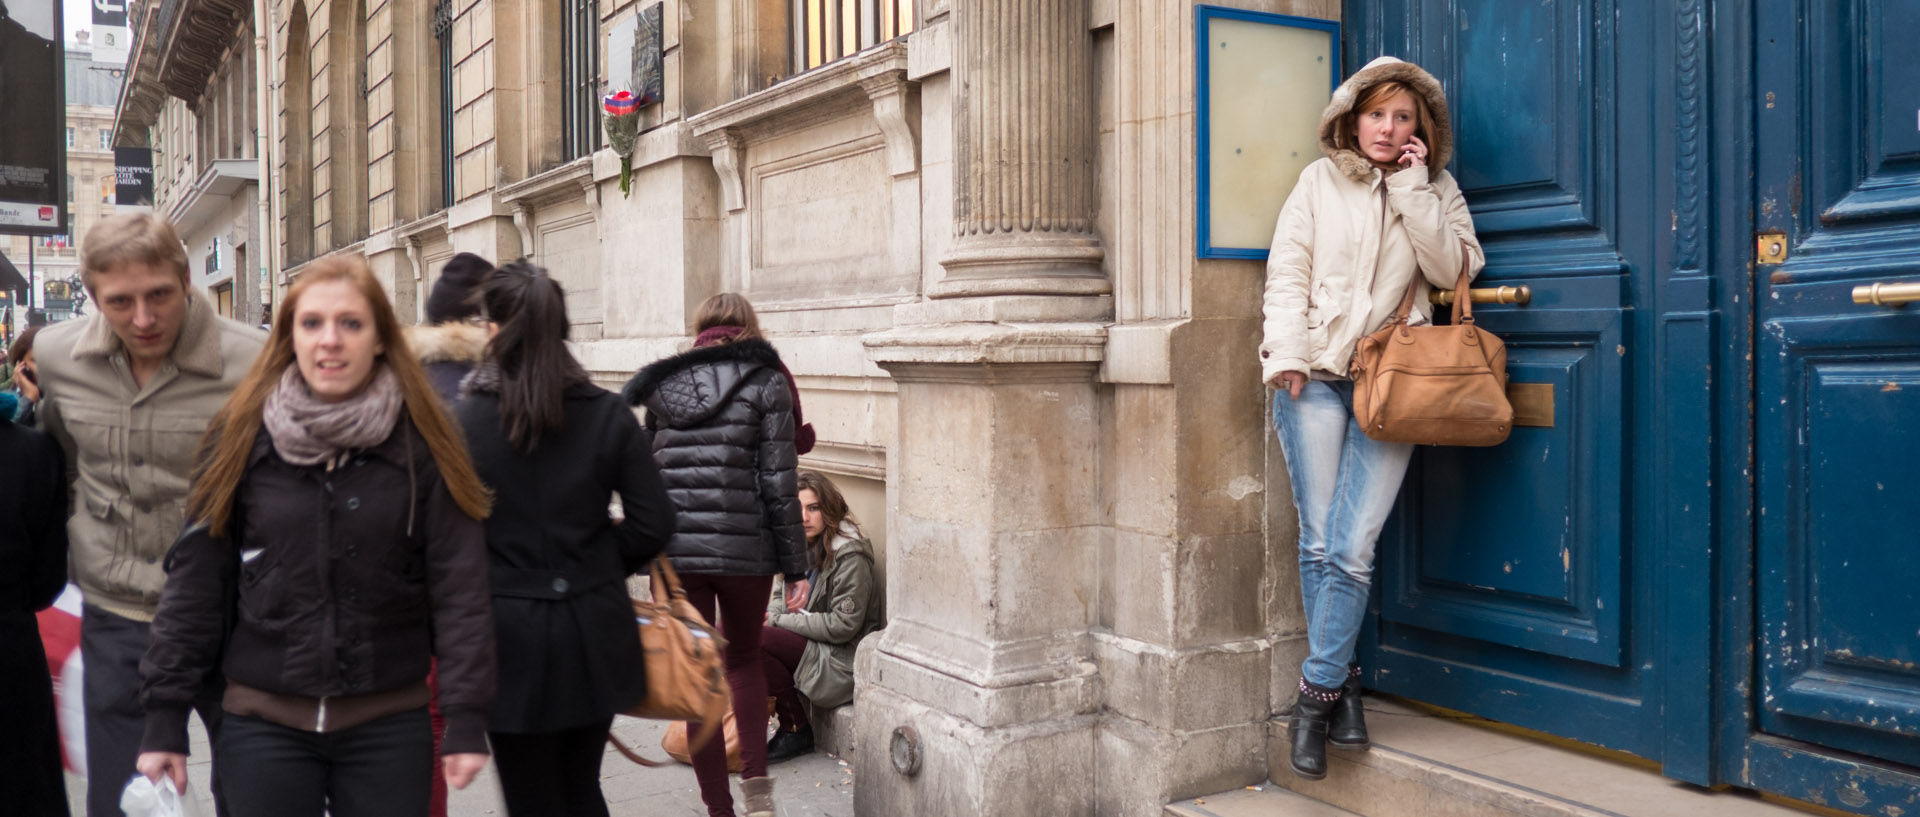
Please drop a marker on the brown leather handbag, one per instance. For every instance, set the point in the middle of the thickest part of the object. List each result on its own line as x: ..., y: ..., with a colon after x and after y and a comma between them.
x: 686, y: 676
x: 1432, y: 385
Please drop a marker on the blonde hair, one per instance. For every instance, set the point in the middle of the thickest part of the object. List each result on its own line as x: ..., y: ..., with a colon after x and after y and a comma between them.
x: 727, y: 309
x: 142, y: 238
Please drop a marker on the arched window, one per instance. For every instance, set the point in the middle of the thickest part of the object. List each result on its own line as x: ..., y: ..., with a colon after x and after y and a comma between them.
x: 347, y: 120
x: 298, y: 136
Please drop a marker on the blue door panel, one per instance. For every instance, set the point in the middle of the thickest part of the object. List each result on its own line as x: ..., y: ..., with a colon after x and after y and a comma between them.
x: 1508, y: 583
x: 1837, y: 421
x: 1543, y: 580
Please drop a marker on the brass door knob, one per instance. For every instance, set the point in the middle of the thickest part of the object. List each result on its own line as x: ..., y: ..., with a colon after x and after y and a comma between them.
x: 1886, y: 294
x: 1521, y: 295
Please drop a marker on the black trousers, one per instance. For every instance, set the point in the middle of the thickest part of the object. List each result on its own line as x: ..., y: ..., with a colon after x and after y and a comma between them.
x: 110, y: 651
x: 381, y: 768
x: 552, y: 774
x: 31, y: 784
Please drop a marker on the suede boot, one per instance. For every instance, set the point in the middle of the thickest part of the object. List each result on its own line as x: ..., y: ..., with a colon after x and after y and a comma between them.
x: 1311, y: 712
x: 759, y: 796
x: 1349, y: 726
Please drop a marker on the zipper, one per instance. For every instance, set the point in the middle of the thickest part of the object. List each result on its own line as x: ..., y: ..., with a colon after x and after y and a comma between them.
x: 320, y: 721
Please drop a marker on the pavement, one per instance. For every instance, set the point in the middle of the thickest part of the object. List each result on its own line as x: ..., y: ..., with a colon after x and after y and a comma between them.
x: 817, y: 785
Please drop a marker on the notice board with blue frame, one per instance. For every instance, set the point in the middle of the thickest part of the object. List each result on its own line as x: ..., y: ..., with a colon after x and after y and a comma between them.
x: 1263, y: 80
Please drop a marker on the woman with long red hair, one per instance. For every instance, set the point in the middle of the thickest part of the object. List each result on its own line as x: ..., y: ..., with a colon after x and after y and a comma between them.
x: 336, y: 548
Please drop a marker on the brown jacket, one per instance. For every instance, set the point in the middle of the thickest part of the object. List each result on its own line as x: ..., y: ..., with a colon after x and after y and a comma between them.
x: 130, y: 450
x: 342, y: 585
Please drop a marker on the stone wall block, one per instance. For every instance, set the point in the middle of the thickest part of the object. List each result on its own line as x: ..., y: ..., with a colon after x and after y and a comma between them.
x: 1141, y: 588
x: 1219, y: 589
x: 1144, y: 456
x: 1222, y: 446
x: 964, y: 769
x: 1219, y: 685
x: 1140, y: 769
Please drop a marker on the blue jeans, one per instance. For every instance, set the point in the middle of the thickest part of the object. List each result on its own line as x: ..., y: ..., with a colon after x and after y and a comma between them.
x: 1344, y: 485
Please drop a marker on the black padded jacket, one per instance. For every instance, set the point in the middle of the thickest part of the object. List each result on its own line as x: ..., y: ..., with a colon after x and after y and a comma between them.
x: 722, y: 420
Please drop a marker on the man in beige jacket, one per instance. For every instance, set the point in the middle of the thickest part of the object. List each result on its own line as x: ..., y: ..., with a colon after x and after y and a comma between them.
x: 128, y: 392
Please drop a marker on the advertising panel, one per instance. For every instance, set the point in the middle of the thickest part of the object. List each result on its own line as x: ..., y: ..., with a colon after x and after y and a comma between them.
x: 33, y: 152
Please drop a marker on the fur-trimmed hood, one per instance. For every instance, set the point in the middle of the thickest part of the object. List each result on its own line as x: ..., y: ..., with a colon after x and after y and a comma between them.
x: 452, y: 342
x: 686, y: 389
x: 1336, y: 120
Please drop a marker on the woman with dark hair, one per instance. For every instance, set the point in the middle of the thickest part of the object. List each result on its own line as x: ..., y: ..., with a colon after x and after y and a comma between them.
x: 26, y: 381
x: 336, y: 547
x: 1378, y: 214
x: 723, y: 422
x: 809, y: 651
x: 555, y: 448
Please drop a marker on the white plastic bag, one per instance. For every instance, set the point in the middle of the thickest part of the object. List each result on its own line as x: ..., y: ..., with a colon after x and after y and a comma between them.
x: 143, y: 798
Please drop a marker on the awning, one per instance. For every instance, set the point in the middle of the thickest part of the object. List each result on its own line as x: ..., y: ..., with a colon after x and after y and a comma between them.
x: 10, y: 278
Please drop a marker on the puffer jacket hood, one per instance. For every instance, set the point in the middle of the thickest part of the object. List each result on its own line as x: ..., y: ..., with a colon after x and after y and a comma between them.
x: 688, y: 389
x: 447, y: 342
x: 1336, y: 122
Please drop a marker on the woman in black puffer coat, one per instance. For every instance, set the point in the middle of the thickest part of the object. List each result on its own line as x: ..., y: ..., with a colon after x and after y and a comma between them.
x: 724, y: 417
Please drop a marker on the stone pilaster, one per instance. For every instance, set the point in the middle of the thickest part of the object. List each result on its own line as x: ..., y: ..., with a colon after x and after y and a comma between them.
x: 985, y: 673
x: 1023, y: 132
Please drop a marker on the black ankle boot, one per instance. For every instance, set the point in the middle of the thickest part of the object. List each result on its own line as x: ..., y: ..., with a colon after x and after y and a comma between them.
x: 787, y: 745
x: 1311, y: 711
x: 1349, y: 727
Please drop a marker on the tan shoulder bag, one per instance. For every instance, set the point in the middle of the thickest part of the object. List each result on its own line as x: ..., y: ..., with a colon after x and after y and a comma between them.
x: 1432, y: 385
x: 686, y: 676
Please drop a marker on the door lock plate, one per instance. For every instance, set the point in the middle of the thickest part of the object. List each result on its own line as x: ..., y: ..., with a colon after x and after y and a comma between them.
x: 1770, y: 248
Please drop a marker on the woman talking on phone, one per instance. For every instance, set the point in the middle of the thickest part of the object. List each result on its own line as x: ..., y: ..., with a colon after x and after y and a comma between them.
x: 1377, y: 211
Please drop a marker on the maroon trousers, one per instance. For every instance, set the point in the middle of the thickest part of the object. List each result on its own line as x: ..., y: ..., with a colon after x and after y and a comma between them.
x: 780, y: 652
x: 741, y: 602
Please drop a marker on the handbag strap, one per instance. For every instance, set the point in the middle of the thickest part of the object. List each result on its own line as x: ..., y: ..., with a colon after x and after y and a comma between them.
x: 663, y: 576
x: 1462, y: 302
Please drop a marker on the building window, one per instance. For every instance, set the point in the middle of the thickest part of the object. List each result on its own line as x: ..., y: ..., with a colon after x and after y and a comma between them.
x: 580, y: 77
x: 106, y: 139
x: 69, y: 181
x: 70, y: 138
x: 443, y: 37
x: 827, y: 30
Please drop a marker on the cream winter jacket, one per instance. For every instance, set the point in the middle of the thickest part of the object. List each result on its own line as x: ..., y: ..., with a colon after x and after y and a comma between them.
x: 130, y: 450
x: 1350, y: 238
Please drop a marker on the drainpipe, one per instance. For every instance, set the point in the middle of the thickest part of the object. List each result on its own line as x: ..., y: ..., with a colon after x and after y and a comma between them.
x: 269, y: 253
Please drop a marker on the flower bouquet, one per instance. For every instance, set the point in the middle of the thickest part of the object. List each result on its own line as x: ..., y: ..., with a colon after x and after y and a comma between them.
x: 620, y: 116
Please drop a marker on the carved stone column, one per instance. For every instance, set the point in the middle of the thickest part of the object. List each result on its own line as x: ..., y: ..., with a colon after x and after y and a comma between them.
x: 1023, y: 133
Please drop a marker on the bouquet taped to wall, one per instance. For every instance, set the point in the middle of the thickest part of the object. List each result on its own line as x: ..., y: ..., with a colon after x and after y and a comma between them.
x: 620, y: 117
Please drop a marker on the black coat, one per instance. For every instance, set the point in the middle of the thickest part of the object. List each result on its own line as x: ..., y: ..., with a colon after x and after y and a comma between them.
x: 568, y: 657
x: 722, y: 418
x: 33, y: 569
x: 363, y: 574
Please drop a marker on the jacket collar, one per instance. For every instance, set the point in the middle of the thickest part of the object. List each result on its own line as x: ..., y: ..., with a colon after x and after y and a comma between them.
x: 447, y: 342
x: 197, y: 350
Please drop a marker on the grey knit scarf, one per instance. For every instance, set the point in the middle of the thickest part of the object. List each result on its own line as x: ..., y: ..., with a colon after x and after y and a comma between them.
x: 307, y: 431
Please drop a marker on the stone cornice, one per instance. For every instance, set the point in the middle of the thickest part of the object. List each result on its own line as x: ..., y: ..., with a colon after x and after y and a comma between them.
x: 903, y: 349
x: 194, y: 36
x: 141, y: 94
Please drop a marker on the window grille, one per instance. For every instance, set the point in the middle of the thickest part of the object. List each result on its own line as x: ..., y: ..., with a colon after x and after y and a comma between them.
x: 580, y: 80
x: 828, y: 30
x: 443, y: 33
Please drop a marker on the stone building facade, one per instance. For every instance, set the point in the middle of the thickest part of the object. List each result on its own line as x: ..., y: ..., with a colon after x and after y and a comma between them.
x: 968, y: 226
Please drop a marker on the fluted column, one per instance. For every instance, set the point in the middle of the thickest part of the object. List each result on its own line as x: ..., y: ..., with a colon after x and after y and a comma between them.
x: 1023, y: 128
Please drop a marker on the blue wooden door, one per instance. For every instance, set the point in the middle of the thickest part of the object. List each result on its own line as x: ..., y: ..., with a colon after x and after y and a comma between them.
x: 1837, y: 455
x: 1513, y: 582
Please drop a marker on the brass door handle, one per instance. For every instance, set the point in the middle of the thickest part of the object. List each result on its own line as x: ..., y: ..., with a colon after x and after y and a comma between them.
x: 1521, y: 295
x: 1885, y: 294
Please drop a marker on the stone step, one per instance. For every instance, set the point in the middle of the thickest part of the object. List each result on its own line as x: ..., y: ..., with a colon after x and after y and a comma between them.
x: 1430, y: 765
x: 1255, y: 801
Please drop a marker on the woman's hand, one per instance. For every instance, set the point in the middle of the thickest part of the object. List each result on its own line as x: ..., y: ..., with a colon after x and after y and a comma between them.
x: 460, y: 768
x: 169, y: 764
x: 1414, y: 153
x: 797, y: 595
x: 1291, y: 382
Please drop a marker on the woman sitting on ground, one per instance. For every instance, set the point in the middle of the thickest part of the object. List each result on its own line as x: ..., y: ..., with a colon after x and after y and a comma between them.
x: 809, y: 651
